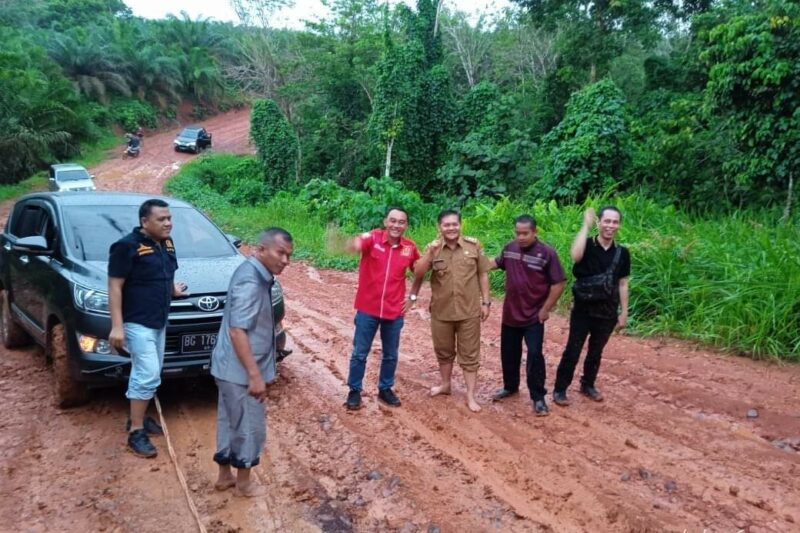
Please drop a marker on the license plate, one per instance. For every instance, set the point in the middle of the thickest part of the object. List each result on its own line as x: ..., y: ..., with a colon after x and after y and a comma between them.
x: 198, y: 342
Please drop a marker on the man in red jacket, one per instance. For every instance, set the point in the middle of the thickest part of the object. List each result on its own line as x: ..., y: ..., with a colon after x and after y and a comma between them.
x: 380, y: 302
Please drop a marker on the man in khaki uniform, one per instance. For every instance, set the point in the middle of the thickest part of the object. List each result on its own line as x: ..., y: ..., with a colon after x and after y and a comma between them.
x: 459, y: 301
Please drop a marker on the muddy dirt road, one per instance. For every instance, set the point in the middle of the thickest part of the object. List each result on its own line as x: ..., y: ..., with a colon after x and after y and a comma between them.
x: 671, y: 449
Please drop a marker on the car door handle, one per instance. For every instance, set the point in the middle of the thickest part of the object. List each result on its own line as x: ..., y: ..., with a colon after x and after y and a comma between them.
x: 24, y: 259
x: 7, y: 247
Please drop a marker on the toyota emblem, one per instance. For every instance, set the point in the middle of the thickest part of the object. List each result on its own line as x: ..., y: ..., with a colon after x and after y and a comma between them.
x: 208, y: 303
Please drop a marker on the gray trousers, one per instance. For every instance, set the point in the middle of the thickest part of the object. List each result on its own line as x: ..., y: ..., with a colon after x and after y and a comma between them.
x: 241, y: 426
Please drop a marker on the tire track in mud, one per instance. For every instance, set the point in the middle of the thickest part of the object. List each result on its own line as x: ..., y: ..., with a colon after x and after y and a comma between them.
x: 638, y: 446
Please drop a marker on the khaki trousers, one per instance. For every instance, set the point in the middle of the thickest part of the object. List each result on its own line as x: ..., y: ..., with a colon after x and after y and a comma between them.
x: 458, y: 340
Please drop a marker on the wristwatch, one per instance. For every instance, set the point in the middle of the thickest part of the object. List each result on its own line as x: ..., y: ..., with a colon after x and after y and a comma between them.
x: 412, y: 297
x: 487, y: 303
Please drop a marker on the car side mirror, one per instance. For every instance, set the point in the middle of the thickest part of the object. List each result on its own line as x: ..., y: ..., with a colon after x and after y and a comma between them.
x: 35, y: 244
x: 236, y: 241
x: 91, y: 176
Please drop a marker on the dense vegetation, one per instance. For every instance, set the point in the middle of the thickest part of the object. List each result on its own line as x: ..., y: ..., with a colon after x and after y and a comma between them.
x: 687, y: 111
x: 691, y: 102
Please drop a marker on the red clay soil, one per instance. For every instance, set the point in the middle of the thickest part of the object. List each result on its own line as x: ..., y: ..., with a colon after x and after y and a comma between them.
x: 672, y: 448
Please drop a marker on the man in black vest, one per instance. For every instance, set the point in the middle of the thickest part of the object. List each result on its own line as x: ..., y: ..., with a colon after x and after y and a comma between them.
x: 594, y: 319
x: 141, y: 284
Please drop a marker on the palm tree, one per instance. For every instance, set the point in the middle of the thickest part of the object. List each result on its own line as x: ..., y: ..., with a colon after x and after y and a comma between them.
x: 92, y: 65
x: 154, y: 75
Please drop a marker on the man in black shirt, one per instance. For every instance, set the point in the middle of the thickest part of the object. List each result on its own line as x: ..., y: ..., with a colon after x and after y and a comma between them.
x: 594, y: 319
x: 141, y: 269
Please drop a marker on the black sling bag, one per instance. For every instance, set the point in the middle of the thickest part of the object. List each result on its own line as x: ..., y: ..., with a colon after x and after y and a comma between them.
x: 600, y: 287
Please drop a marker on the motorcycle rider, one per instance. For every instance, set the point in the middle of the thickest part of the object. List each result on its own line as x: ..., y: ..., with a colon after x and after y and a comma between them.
x: 133, y: 143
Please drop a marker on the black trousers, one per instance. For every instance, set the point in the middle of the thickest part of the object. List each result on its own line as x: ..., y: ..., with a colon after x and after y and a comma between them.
x: 598, y: 330
x: 511, y: 356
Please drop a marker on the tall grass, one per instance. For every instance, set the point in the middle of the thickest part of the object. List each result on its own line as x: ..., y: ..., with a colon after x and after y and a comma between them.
x: 731, y: 282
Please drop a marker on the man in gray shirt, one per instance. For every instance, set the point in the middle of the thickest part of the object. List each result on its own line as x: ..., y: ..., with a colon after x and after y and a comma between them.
x: 243, y: 362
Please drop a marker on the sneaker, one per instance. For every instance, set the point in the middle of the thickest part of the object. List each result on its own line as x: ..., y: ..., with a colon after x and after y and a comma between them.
x: 592, y: 393
x: 540, y: 408
x: 140, y: 444
x: 560, y: 398
x: 353, y: 400
x: 388, y: 397
x: 151, y: 427
x: 502, y: 393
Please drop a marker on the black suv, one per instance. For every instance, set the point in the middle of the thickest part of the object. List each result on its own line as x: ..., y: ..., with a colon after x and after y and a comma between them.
x: 53, y: 276
x: 192, y: 139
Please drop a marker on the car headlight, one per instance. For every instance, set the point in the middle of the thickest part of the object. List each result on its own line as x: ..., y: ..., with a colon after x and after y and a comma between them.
x: 90, y: 299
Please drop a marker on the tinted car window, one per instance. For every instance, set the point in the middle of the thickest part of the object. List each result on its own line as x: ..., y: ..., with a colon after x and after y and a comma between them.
x: 29, y: 221
x: 73, y: 175
x: 189, y: 133
x: 92, y: 229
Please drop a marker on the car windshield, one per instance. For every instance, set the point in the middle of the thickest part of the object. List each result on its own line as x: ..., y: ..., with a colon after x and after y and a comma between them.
x: 92, y: 229
x: 73, y: 175
x: 188, y: 134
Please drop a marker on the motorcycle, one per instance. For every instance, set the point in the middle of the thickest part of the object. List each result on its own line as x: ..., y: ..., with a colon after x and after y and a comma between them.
x: 131, y: 151
x: 134, y: 146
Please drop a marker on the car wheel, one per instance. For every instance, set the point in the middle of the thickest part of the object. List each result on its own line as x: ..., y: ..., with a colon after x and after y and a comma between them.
x: 177, y: 149
x: 13, y: 334
x: 69, y: 392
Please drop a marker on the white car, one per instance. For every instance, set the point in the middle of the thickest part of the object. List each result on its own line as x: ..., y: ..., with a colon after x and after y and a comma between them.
x: 70, y: 177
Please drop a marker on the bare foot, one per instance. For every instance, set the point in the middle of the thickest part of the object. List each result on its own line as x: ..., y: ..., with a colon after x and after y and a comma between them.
x: 473, y: 405
x: 225, y: 482
x: 440, y: 389
x: 251, y: 490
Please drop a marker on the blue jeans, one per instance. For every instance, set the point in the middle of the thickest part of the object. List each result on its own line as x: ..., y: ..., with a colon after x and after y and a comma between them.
x: 146, y: 346
x: 366, y: 328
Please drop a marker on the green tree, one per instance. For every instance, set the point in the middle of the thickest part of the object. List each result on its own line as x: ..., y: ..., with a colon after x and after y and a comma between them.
x: 493, y: 157
x: 589, y: 149
x: 413, y: 104
x: 37, y: 109
x: 754, y: 78
x: 91, y: 63
x: 276, y: 144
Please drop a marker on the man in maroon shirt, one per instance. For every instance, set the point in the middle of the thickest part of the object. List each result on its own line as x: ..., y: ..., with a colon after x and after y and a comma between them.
x: 381, y: 301
x: 534, y: 282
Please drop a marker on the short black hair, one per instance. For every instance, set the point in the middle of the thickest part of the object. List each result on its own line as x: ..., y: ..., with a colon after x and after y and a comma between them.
x: 526, y: 219
x: 608, y: 208
x: 446, y: 213
x: 269, y: 235
x: 396, y: 208
x: 147, y: 207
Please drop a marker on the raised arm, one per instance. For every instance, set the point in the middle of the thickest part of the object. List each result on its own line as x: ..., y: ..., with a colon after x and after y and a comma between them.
x: 579, y: 244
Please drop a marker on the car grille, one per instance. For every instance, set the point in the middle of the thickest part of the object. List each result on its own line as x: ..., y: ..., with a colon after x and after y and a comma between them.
x: 188, y: 317
x: 198, y: 314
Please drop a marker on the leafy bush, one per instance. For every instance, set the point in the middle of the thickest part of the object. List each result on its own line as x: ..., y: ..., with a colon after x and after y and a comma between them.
x: 589, y: 148
x: 275, y: 142
x: 130, y: 114
x: 226, y: 177
x: 359, y: 210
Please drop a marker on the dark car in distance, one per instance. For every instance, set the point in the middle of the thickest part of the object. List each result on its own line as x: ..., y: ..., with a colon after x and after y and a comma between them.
x: 53, y: 276
x: 192, y: 139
